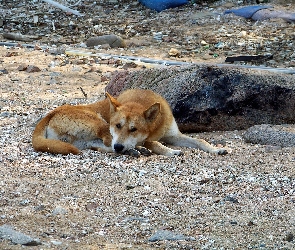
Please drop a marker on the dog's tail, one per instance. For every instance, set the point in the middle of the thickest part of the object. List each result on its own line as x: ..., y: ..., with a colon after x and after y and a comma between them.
x: 42, y: 144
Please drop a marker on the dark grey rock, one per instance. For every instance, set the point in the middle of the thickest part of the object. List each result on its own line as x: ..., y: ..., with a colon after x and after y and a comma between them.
x: 113, y: 40
x: 208, y: 98
x: 231, y: 199
x: 289, y: 237
x: 168, y: 235
x: 267, y: 134
x: 8, y: 233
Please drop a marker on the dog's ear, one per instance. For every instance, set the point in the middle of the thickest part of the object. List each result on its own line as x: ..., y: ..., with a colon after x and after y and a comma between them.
x: 152, y: 112
x: 114, y: 104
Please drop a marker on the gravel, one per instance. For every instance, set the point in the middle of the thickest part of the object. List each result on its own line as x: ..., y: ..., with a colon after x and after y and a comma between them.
x: 243, y: 200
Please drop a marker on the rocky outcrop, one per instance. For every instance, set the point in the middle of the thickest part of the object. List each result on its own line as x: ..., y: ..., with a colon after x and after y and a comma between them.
x: 210, y: 98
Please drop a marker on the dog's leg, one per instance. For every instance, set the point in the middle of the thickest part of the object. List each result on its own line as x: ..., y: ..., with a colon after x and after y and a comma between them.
x: 174, y: 137
x: 158, y: 148
x: 182, y: 140
x: 96, y: 144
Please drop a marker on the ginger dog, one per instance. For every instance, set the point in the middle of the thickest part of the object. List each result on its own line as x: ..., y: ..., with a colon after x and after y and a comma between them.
x: 137, y: 120
x: 143, y: 118
x: 69, y: 129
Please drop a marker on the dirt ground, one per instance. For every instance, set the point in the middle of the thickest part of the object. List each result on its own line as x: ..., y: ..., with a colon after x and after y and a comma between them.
x: 244, y: 200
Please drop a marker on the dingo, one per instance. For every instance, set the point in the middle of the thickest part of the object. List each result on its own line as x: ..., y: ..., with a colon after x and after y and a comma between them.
x: 69, y: 129
x: 143, y: 118
x: 136, y: 118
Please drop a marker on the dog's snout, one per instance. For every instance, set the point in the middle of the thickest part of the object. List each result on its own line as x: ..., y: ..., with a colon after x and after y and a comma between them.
x: 118, y: 147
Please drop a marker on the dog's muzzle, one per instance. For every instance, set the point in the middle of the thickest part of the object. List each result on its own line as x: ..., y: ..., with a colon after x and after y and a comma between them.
x: 118, y: 148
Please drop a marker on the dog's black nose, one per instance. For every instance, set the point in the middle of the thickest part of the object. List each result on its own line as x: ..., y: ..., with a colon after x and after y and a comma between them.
x: 118, y: 147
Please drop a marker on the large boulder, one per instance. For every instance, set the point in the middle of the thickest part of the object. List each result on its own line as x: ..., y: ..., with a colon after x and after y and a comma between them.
x: 210, y: 98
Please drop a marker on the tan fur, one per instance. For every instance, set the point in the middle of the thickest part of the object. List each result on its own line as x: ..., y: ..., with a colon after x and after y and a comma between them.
x: 69, y: 129
x: 143, y: 118
x: 136, y: 118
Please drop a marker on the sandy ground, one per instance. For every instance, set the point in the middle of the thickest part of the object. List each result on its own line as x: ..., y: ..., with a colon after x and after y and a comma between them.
x: 244, y: 200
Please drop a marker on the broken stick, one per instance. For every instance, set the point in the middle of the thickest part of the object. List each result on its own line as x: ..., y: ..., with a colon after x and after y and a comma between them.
x: 64, y: 8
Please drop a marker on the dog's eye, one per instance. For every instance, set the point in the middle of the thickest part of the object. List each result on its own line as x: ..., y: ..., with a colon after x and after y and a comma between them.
x: 118, y: 125
x: 133, y: 129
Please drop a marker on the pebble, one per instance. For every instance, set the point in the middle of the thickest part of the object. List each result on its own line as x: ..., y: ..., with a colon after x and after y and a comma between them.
x: 231, y: 199
x: 168, y: 235
x: 56, y: 243
x: 243, y: 33
x: 204, y: 43
x: 289, y: 237
x: 3, y: 71
x: 158, y: 36
x: 32, y: 69
x: 174, y: 52
x: 59, y: 210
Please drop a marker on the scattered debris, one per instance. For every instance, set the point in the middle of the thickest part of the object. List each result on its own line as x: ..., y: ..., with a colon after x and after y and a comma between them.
x: 83, y: 92
x: 19, y: 37
x: 64, y: 8
x: 232, y: 59
x: 262, y: 13
x: 160, y: 5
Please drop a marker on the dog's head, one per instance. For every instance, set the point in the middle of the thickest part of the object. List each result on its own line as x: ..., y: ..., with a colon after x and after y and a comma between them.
x: 130, y: 123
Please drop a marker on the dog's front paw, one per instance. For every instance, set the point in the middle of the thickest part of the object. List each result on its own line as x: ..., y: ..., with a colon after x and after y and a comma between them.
x: 222, y: 151
x: 132, y: 152
x: 144, y: 151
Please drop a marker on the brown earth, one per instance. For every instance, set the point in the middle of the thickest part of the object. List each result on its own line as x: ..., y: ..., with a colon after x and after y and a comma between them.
x: 108, y: 201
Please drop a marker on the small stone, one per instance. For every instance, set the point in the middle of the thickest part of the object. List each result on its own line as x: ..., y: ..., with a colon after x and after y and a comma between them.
x: 204, y: 43
x: 289, y: 237
x: 129, y: 187
x: 104, y: 79
x: 168, y: 235
x: 129, y: 65
x: 158, y: 36
x: 59, y: 210
x: 243, y: 33
x: 22, y: 67
x: 32, y: 69
x: 90, y: 207
x: 112, y: 40
x: 25, y: 202
x: 250, y: 223
x: 206, y: 57
x: 3, y: 71
x: 174, y: 52
x: 231, y: 199
x: 219, y: 45
x: 56, y: 243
